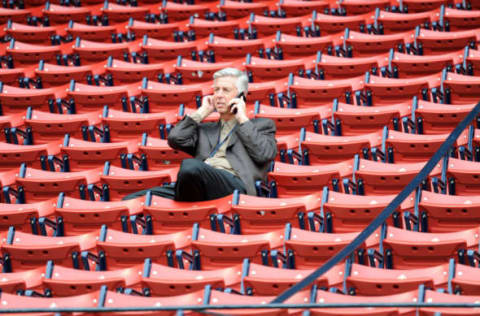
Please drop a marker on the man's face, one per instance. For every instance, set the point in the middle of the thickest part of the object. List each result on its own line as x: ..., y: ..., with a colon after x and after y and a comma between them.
x: 224, y: 90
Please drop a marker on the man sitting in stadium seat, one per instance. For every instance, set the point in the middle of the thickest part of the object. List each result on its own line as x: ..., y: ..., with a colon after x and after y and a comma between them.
x: 230, y: 154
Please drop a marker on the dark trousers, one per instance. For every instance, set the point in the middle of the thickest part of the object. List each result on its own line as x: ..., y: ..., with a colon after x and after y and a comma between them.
x: 197, y: 181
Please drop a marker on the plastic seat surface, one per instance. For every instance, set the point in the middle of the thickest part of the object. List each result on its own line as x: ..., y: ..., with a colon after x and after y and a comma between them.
x: 125, y: 72
x: 160, y: 155
x: 195, y: 71
x: 294, y: 46
x: 25, y: 54
x: 235, y: 9
x: 13, y: 155
x: 41, y: 185
x: 371, y: 45
x: 441, y: 118
x: 296, y: 180
x: 167, y: 281
x: 98, y: 33
x: 259, y: 214
x: 331, y: 24
x: 59, y: 14
x: 318, y: 92
x: 49, y: 127
x: 226, y: 49
x: 353, y: 215
x: 412, y: 249
x: 20, y: 215
x: 268, y: 25
x: 357, y: 120
x: 80, y: 216
x: 324, y: 149
x: 169, y: 215
x: 435, y: 297
x: 371, y: 281
x: 385, y: 178
x: 414, y: 65
x: 302, y: 8
x: 29, y: 251
x: 120, y: 13
x: 266, y: 69
x: 163, y: 50
x: 164, y: 96
x: 421, y: 6
x: 461, y: 20
x: 312, y: 249
x: 466, y: 175
x: 219, y: 250
x: 152, y: 30
x: 16, y: 99
x: 463, y: 89
x: 30, y: 34
x: 20, y: 281
x: 66, y: 282
x: 394, y: 22
x: 55, y: 75
x: 354, y: 7
x: 435, y: 43
x: 339, y: 67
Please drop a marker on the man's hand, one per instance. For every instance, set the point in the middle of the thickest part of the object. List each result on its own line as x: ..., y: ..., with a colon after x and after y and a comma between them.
x: 238, y: 105
x: 207, y: 106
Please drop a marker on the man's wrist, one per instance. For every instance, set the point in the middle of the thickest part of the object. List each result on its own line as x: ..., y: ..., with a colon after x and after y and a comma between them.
x: 242, y: 119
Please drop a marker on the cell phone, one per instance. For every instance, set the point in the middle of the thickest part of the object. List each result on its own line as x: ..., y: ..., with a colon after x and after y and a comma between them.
x: 242, y: 96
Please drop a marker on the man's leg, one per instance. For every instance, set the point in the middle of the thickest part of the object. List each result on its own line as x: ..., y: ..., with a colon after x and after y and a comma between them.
x: 166, y: 191
x: 197, y: 181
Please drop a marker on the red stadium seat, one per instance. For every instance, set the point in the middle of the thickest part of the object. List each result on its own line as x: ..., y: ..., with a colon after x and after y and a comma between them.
x: 289, y: 120
x: 153, y: 30
x: 27, y: 251
x: 266, y: 280
x: 295, y: 46
x: 302, y: 8
x: 97, y: 33
x: 461, y: 20
x: 58, y: 14
x: 354, y: 7
x: 408, y: 66
x: 15, y: 99
x: 163, y: 50
x: 122, y: 249
x: 465, y: 280
x: 332, y: 67
x: 166, y: 281
x: 120, y: 13
x: 266, y: 26
x: 363, y: 44
x: 66, y: 282
x: 441, y: 213
x: 81, y: 216
x: 92, y: 52
x: 436, y: 297
x: 15, y: 15
x: 406, y: 249
x: 294, y: 180
x: 219, y: 250
x: 463, y: 177
x: 458, y: 89
x: 421, y: 6
x: 437, y: 43
x: 332, y: 24
x: 48, y: 127
x: 13, y: 155
x: 355, y: 120
x: 395, y: 22
x: 226, y: 49
x: 24, y: 217
x: 309, y: 92
x: 164, y: 215
x: 40, y: 185
x: 11, y: 76
x: 122, y: 181
x: 311, y: 249
x: 254, y: 214
x: 84, y: 155
x: 342, y: 214
x: 194, y: 71
x: 261, y: 69
x: 204, y: 28
x: 55, y: 75
x: 159, y: 154
x: 27, y: 54
x: 322, y: 149
x: 235, y: 9
x: 369, y: 281
x: 127, y: 125
x: 87, y: 98
x: 30, y: 34
x: 18, y: 282
x: 387, y: 91
x: 181, y: 11
x: 125, y: 72
x: 163, y: 96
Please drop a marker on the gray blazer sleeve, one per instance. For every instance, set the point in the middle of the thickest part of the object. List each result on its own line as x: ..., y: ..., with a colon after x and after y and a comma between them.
x: 258, y: 137
x: 184, y: 136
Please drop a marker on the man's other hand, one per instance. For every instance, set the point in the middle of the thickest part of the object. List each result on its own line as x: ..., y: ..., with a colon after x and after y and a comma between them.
x: 207, y: 106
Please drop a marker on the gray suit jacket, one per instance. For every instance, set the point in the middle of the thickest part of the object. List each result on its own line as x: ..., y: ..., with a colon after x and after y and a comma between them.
x: 250, y: 149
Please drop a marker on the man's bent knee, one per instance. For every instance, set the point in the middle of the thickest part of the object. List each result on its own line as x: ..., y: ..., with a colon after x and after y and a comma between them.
x: 190, y: 167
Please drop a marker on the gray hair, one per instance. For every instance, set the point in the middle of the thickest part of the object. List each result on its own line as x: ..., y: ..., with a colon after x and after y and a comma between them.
x: 242, y: 79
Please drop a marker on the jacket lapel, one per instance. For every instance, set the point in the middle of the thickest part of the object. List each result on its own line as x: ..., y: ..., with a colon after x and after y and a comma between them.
x: 232, y: 140
x: 213, y: 134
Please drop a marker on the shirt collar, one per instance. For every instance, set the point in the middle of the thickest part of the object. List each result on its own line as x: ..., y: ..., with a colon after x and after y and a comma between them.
x: 230, y: 123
